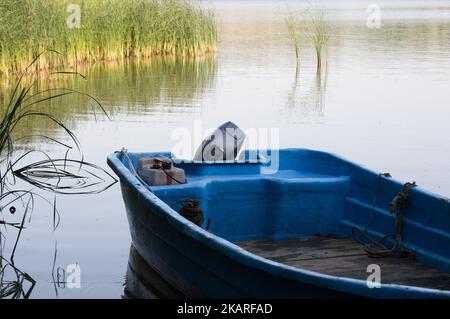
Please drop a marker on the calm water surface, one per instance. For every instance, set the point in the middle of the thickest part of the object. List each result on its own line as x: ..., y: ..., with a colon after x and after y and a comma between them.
x: 384, y: 102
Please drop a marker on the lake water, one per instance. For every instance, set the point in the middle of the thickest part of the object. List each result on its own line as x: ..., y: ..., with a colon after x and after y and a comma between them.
x: 384, y: 102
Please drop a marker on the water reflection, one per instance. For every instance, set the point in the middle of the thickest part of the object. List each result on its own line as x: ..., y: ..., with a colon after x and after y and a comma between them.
x: 309, y: 103
x: 143, y: 282
x: 318, y: 91
x: 135, y: 87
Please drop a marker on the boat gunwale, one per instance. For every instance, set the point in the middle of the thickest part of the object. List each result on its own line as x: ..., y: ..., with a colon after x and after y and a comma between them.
x: 341, y: 284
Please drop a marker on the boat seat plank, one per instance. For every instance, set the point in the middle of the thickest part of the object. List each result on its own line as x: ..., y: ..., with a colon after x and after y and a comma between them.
x: 344, y: 257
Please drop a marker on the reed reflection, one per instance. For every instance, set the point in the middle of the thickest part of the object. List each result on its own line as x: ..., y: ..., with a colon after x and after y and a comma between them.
x: 134, y: 87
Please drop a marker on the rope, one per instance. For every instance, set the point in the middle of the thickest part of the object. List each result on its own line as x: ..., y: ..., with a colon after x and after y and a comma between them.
x: 132, y: 170
x: 375, y: 196
x: 375, y: 247
x: 191, y: 210
x: 173, y: 178
x: 190, y: 207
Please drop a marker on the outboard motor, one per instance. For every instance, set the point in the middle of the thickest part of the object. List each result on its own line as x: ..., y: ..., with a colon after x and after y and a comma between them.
x: 224, y: 144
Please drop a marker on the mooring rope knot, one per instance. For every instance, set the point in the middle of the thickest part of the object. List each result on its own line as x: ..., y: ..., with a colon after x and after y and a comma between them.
x: 375, y: 247
x: 399, y: 201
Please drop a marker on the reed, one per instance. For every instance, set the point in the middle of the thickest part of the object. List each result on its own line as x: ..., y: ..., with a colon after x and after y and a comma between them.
x: 109, y: 30
x: 293, y: 26
x: 309, y: 26
x: 65, y: 175
x: 319, y: 33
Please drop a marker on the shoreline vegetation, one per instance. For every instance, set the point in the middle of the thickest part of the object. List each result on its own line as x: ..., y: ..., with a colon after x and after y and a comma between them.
x: 100, y: 31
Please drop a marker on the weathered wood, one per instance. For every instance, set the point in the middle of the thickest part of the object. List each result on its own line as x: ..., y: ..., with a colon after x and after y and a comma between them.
x: 346, y: 258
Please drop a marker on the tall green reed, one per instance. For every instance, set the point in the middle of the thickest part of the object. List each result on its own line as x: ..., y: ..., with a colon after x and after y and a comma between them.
x: 109, y: 30
x: 294, y: 30
x: 319, y: 34
x: 309, y: 27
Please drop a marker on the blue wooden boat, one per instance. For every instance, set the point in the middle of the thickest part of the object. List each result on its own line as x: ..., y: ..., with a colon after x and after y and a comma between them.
x: 310, y: 230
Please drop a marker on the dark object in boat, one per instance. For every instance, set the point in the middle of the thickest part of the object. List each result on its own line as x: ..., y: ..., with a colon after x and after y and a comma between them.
x: 192, y: 211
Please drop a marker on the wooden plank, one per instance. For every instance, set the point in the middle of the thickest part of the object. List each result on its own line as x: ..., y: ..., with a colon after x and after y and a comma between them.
x: 311, y: 248
x: 346, y: 258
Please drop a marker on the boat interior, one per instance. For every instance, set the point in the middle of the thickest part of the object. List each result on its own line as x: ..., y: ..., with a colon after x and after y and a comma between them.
x: 304, y: 214
x: 345, y: 257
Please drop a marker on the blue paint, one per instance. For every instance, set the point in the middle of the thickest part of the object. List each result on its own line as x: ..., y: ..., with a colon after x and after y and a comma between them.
x: 312, y: 193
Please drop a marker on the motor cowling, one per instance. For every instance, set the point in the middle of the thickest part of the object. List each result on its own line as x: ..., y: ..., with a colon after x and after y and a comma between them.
x: 224, y: 144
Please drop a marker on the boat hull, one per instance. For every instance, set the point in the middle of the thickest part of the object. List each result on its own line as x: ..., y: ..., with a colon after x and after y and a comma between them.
x: 198, y: 271
x: 202, y: 265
